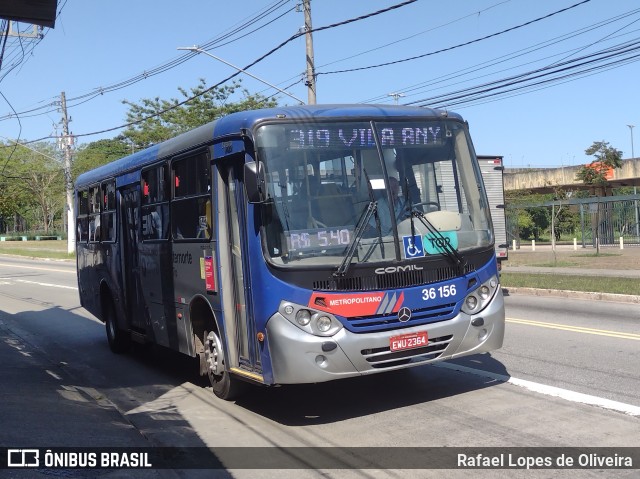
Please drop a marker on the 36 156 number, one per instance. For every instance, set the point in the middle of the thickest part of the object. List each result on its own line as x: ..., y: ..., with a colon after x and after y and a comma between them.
x: 440, y: 292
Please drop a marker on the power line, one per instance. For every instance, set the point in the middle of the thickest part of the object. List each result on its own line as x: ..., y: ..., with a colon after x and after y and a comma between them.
x: 414, y: 35
x: 460, y: 45
x: 475, y: 92
x: 166, y: 66
x: 508, y: 57
x: 273, y: 50
x: 334, y: 25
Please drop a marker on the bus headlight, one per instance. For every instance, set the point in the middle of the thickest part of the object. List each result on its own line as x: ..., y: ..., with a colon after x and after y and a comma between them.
x: 484, y: 292
x: 471, y: 302
x: 481, y: 297
x: 323, y: 323
x: 303, y: 316
x: 309, y: 320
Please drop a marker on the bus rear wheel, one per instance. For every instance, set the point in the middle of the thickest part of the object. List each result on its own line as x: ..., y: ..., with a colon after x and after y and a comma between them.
x: 118, y: 339
x: 224, y: 385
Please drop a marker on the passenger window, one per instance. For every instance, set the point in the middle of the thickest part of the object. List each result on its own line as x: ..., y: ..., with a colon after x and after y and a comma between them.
x: 108, y: 217
x: 82, y: 221
x: 155, y: 203
x: 94, y: 214
x: 191, y: 205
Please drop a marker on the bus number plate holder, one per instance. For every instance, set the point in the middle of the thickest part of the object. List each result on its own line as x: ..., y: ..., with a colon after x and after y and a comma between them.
x: 408, y: 341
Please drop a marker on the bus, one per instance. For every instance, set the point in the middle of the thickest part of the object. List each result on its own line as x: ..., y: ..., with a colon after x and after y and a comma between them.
x: 298, y: 244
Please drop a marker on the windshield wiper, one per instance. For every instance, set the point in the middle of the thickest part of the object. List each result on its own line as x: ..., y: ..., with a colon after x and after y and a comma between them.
x: 407, y: 201
x: 361, y: 226
x: 447, y: 250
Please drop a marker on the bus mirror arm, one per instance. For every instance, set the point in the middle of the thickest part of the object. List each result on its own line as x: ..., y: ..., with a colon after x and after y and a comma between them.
x: 255, y: 182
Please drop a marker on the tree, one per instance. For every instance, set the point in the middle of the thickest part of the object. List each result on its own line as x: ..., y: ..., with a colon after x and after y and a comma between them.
x: 607, y: 159
x: 150, y: 126
x: 99, y: 153
x: 531, y: 221
x: 31, y: 185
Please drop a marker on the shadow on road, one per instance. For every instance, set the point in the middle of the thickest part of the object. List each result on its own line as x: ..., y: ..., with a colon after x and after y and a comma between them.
x: 62, y: 387
x: 148, y: 372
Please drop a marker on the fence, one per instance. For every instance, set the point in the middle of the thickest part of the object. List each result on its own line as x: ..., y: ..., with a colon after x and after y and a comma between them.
x: 601, y: 219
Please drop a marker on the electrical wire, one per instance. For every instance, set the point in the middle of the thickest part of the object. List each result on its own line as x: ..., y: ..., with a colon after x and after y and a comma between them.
x: 505, y: 58
x: 166, y: 66
x: 6, y: 162
x: 5, y: 34
x: 454, y: 47
x: 610, y: 54
x: 473, y: 14
x: 273, y: 50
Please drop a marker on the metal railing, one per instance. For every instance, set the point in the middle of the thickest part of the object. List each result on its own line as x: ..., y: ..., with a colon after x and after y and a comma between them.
x: 601, y: 219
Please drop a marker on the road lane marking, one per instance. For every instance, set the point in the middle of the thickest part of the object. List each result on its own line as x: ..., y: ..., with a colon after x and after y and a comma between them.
x: 575, y: 329
x: 553, y: 391
x: 51, y: 285
x: 38, y: 268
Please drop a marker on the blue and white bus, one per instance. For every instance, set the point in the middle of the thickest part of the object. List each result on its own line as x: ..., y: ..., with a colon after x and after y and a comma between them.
x: 296, y: 245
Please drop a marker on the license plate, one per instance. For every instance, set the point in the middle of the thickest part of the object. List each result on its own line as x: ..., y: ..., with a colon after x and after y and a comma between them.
x: 408, y: 341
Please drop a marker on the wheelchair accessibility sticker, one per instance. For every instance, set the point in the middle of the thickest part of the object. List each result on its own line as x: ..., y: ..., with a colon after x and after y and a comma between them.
x: 413, y: 247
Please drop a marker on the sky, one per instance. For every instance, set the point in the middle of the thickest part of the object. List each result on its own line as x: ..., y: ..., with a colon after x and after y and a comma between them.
x: 461, y: 45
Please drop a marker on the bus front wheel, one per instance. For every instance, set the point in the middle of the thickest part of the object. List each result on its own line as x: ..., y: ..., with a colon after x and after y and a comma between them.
x: 224, y: 385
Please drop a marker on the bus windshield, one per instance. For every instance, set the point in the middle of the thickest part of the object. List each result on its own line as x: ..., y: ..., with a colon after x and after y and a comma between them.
x: 421, y: 178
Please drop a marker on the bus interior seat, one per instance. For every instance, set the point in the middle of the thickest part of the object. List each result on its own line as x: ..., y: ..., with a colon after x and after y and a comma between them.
x: 333, y: 207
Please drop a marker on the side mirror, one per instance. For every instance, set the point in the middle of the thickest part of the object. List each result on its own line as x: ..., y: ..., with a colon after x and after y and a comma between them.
x: 255, y: 182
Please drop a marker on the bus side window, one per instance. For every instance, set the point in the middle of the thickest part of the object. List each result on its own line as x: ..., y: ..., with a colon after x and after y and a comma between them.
x: 82, y: 219
x: 155, y: 203
x: 191, y: 205
x: 94, y: 214
x: 108, y: 218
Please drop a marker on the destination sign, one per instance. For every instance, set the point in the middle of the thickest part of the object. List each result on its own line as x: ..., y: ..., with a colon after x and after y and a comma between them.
x: 340, y: 137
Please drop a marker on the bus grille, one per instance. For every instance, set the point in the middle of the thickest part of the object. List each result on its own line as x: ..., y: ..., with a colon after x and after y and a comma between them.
x: 381, y: 358
x: 402, y: 279
x: 383, y: 322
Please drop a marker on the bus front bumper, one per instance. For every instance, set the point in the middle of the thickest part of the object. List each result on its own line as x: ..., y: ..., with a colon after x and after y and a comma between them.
x: 300, y: 357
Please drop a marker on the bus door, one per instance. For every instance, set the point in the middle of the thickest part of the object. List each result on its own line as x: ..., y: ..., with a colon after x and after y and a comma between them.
x: 134, y: 302
x: 241, y: 329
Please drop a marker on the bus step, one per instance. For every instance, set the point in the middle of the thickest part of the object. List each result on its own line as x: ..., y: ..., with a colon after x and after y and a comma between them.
x: 138, y: 337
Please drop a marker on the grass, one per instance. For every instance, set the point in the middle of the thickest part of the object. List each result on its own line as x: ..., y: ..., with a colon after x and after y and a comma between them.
x: 595, y: 255
x: 557, y: 264
x: 575, y: 261
x: 593, y: 284
x: 53, y: 249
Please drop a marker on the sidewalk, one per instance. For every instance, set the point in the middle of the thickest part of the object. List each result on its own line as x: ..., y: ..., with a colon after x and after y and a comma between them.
x: 42, y: 405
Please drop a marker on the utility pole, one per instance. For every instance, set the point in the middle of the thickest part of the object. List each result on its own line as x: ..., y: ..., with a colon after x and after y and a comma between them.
x: 635, y: 188
x: 311, y: 69
x: 66, y: 143
x: 396, y: 96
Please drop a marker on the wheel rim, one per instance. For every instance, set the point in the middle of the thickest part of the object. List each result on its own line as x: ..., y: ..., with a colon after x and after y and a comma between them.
x: 213, y: 355
x: 111, y: 327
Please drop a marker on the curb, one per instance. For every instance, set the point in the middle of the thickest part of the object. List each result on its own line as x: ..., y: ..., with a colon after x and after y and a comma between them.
x: 618, y: 298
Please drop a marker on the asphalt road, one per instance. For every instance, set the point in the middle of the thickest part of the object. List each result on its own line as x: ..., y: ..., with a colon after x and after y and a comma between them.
x: 567, y: 376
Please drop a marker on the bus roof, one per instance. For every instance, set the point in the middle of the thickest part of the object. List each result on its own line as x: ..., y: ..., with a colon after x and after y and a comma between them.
x: 235, y: 122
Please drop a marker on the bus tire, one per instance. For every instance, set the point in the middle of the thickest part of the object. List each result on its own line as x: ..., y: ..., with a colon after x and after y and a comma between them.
x: 224, y: 385
x: 119, y: 340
